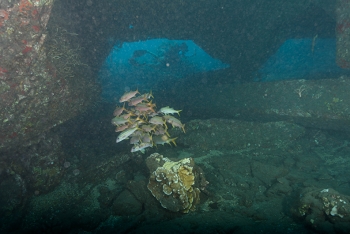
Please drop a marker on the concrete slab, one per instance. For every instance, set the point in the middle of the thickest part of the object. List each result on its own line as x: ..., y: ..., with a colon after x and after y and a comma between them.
x: 314, y: 103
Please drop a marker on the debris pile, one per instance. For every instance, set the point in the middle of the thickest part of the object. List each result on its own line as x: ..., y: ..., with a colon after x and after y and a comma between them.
x: 141, y: 123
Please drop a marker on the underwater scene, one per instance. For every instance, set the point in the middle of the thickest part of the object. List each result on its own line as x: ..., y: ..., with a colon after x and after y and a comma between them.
x: 203, y: 116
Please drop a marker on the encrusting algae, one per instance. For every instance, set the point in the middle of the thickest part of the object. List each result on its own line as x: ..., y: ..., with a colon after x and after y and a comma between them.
x: 142, y: 124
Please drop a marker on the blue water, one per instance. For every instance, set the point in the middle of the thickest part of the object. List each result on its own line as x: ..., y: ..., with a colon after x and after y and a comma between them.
x: 143, y: 64
x: 303, y: 58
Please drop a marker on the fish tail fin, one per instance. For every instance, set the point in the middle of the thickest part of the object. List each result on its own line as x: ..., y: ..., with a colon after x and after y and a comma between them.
x: 173, y: 141
x: 150, y: 104
x: 165, y: 125
x: 154, y: 144
x: 183, y: 128
x: 150, y: 94
x: 154, y: 128
x: 153, y: 111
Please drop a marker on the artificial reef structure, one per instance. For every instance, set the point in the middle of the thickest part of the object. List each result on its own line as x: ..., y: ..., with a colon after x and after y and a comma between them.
x: 51, y: 52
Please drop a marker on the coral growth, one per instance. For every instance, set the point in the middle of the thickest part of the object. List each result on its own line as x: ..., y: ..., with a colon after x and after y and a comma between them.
x: 174, y: 184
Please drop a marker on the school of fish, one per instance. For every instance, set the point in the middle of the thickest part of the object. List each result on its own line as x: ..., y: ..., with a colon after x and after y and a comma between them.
x: 142, y: 124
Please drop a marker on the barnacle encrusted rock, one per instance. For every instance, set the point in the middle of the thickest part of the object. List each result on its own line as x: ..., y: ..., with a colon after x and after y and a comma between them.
x: 173, y: 184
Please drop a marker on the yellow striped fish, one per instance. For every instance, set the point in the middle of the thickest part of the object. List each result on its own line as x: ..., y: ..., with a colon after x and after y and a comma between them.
x: 126, y: 133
